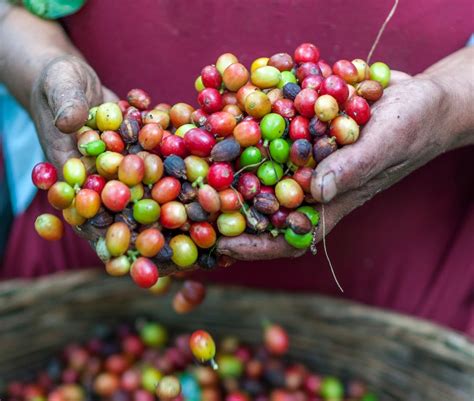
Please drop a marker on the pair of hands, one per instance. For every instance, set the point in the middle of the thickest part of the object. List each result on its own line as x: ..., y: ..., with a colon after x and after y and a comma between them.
x: 405, y: 132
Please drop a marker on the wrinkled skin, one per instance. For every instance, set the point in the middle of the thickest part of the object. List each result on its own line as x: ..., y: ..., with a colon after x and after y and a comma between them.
x: 408, y: 128
x: 60, y: 101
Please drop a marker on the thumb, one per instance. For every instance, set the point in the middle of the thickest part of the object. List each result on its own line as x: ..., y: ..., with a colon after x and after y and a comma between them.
x: 64, y: 87
x: 351, y: 166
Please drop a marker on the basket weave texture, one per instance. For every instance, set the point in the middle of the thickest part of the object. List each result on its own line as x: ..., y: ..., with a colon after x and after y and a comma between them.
x: 401, y: 358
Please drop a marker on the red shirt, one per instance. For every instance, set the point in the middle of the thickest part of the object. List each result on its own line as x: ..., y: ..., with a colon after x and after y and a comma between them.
x: 410, y: 247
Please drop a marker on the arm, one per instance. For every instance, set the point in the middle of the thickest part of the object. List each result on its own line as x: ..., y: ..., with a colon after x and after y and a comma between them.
x: 417, y: 119
x: 49, y: 77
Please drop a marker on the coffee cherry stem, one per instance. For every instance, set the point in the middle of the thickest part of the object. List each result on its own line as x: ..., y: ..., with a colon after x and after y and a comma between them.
x: 275, y: 232
x: 199, y: 182
x: 250, y: 166
x: 133, y: 255
x: 213, y: 364
x: 76, y: 188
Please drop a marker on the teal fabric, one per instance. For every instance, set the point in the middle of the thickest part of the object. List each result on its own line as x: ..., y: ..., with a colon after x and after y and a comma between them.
x: 21, y: 150
x: 53, y: 9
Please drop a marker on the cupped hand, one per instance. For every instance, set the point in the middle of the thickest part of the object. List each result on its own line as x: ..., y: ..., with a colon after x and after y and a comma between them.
x: 407, y: 129
x: 65, y: 90
x: 62, y: 95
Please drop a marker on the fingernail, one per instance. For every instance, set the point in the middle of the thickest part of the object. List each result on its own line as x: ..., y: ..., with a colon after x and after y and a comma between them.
x: 328, y: 186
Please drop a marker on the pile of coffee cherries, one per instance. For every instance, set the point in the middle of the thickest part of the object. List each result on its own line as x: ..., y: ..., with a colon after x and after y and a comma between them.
x: 138, y: 362
x: 162, y: 183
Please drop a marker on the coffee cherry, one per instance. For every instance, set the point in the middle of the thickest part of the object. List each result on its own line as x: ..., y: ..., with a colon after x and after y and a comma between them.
x: 153, y: 169
x: 279, y: 150
x: 113, y: 141
x: 199, y: 142
x: 306, y: 52
x: 210, y: 100
x: 381, y: 73
x: 117, y: 267
x: 131, y: 170
x: 303, y: 177
x: 221, y: 123
x: 312, y: 82
x: 248, y: 185
x: 370, y: 90
x: 49, y: 227
x: 173, y: 145
x: 185, y: 252
x: 284, y: 107
x: 358, y: 108
x: 202, y: 346
x: 332, y: 388
x: 168, y: 388
x: 72, y: 216
x: 325, y: 68
x: 298, y: 241
x: 250, y: 156
x: 247, y: 133
x: 150, y: 136
x: 230, y: 200
x: 162, y: 286
x: 44, y: 175
x: 115, y: 196
x: 139, y: 98
x: 146, y: 211
x: 108, y: 117
x: 299, y: 128
x: 60, y: 195
x: 224, y: 61
x: 144, y: 272
x: 117, y: 238
x: 210, y: 77
x: 336, y: 87
x: 270, y: 173
x: 209, y: 199
x: 235, y: 76
x: 203, y: 235
x: 257, y: 104
x: 289, y: 193
x: 173, y: 215
x: 94, y: 182
x: 265, y: 77
x: 362, y: 67
x: 107, y: 164
x: 199, y: 117
x: 157, y: 116
x: 304, y: 102
x: 220, y: 175
x: 196, y: 168
x: 276, y: 339
x: 87, y: 203
x: 106, y: 384
x: 231, y: 224
x: 344, y: 129
x: 281, y: 61
x: 272, y: 126
x: 166, y: 190
x: 226, y: 150
x: 180, y: 114
x: 307, y: 69
x: 74, y: 172
x: 149, y: 242
x: 326, y: 108
x: 346, y: 70
x: 300, y: 152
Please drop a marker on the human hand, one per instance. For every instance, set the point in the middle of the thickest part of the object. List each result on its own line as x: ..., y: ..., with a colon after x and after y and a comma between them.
x: 65, y: 90
x: 408, y: 128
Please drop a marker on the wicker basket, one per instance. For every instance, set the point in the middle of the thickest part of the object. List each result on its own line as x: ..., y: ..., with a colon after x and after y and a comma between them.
x: 400, y: 357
